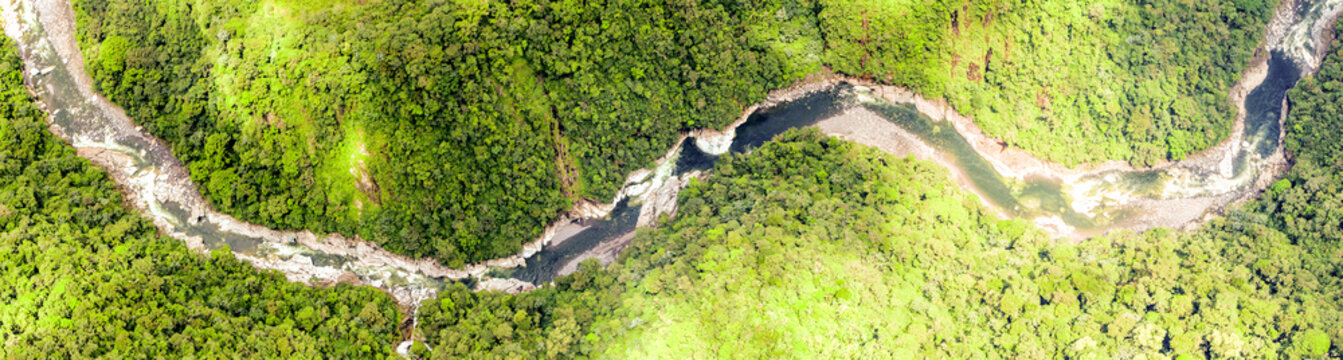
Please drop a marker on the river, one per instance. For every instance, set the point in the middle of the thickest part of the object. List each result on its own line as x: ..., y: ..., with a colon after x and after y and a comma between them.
x: 159, y: 185
x: 1073, y: 203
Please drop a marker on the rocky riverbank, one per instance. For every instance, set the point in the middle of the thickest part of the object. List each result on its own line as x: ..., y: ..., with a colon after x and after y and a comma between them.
x: 158, y: 184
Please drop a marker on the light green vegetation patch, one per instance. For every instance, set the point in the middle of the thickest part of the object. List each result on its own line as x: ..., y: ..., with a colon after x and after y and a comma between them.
x: 267, y: 80
x: 349, y: 167
x: 791, y: 29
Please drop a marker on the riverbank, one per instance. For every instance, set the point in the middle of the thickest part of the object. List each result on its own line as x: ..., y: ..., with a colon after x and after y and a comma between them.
x: 158, y: 184
x: 1012, y: 163
x: 863, y: 126
x: 1199, y: 187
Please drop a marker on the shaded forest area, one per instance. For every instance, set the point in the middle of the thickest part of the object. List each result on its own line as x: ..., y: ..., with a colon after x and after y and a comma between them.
x: 84, y: 276
x: 458, y: 130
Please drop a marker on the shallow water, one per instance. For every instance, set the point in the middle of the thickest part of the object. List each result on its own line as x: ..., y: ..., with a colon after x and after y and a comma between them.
x: 1043, y: 197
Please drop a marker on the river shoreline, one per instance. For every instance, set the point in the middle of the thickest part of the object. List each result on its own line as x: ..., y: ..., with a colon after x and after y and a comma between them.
x: 166, y: 189
x: 158, y: 184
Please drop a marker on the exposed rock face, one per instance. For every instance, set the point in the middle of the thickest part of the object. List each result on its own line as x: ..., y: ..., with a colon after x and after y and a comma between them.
x: 511, y: 286
x: 714, y: 142
x: 662, y: 200
x: 1303, y: 29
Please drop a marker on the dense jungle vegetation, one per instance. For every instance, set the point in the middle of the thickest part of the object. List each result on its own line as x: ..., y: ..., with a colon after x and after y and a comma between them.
x: 809, y: 247
x: 85, y: 277
x: 456, y: 130
x: 459, y: 129
x: 816, y: 248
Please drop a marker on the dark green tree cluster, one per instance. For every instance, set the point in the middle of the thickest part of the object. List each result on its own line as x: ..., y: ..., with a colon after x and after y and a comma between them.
x: 602, y: 90
x: 150, y: 58
x: 623, y: 92
x: 811, y: 247
x: 471, y: 124
x: 550, y: 322
x: 81, y: 276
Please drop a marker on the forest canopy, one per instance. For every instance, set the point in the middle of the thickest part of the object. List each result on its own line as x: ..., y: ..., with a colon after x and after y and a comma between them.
x: 452, y: 130
x: 812, y: 247
x: 808, y: 247
x: 459, y: 130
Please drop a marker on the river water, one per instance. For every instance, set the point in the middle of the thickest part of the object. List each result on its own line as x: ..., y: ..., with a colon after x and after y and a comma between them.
x: 1032, y: 197
x: 159, y: 185
x: 1073, y: 205
x: 569, y: 248
x: 1076, y: 205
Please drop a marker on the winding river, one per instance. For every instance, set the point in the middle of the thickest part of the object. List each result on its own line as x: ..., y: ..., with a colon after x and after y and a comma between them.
x: 1074, y: 203
x: 1067, y: 202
